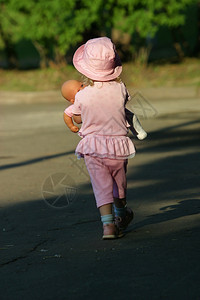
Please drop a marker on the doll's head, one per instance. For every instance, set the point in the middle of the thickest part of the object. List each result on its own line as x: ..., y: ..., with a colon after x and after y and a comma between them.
x: 70, y: 88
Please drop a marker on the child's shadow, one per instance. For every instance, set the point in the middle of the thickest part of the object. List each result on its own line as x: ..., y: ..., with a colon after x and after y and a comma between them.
x: 183, y: 208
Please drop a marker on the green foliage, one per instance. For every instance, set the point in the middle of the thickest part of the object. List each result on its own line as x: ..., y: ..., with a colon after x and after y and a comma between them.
x: 60, y: 25
x: 146, y: 16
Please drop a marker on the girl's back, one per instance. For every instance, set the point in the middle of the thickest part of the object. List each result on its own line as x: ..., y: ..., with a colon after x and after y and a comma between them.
x: 102, y: 109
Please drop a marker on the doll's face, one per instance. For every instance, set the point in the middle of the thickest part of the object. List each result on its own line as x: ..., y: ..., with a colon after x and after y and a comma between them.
x: 70, y: 88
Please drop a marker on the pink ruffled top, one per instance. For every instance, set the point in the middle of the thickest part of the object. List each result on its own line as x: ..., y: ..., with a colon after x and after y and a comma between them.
x: 104, y: 127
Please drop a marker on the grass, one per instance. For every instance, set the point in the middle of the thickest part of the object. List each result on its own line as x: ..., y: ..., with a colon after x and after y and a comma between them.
x: 35, y: 80
x: 185, y: 74
x: 167, y: 75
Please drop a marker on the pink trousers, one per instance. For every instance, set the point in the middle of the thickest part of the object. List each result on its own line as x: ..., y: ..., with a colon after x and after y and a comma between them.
x: 108, y: 178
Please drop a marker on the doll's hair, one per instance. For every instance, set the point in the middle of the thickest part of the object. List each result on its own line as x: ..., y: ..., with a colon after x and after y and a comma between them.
x: 88, y: 81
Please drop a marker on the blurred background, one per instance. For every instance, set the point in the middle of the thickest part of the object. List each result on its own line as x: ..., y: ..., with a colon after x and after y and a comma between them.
x: 158, y: 41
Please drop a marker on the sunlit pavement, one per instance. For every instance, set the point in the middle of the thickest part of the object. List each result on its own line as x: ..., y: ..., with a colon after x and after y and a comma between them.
x: 50, y: 241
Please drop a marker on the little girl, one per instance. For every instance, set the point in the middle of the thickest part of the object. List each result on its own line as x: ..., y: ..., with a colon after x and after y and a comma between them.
x: 100, y: 107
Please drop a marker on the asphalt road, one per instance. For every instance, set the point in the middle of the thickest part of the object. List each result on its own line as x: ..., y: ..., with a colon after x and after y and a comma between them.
x: 50, y: 230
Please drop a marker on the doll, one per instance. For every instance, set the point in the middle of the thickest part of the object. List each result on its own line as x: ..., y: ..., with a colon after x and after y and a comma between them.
x: 68, y: 91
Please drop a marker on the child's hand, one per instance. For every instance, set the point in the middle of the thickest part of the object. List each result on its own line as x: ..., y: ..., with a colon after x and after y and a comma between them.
x: 74, y: 129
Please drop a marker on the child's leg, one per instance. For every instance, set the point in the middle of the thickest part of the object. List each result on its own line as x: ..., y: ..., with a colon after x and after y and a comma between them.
x: 102, y: 183
x: 106, y: 214
x: 105, y: 209
x: 102, y: 186
x: 119, y: 188
x: 119, y: 203
x: 123, y: 214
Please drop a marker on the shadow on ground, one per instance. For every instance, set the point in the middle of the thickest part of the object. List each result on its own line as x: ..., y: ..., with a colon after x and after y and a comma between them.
x: 49, y: 253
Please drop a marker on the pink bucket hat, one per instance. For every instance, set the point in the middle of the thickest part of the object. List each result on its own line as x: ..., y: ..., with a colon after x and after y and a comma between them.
x: 98, y: 60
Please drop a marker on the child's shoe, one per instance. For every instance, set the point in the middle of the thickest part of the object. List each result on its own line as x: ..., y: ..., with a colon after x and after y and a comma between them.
x: 110, y: 231
x: 122, y: 223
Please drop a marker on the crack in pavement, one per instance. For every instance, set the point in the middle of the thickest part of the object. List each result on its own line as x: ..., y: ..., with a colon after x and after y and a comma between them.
x: 24, y: 256
x: 73, y: 224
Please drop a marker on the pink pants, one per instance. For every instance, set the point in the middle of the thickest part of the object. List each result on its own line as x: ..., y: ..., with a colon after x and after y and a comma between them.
x: 108, y: 178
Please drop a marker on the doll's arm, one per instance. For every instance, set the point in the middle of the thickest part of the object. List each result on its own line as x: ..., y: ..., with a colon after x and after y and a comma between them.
x: 77, y: 119
x: 135, y: 126
x: 68, y: 121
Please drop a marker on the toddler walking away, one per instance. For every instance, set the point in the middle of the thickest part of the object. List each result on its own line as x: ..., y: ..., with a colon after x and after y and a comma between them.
x: 71, y: 87
x: 100, y: 107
